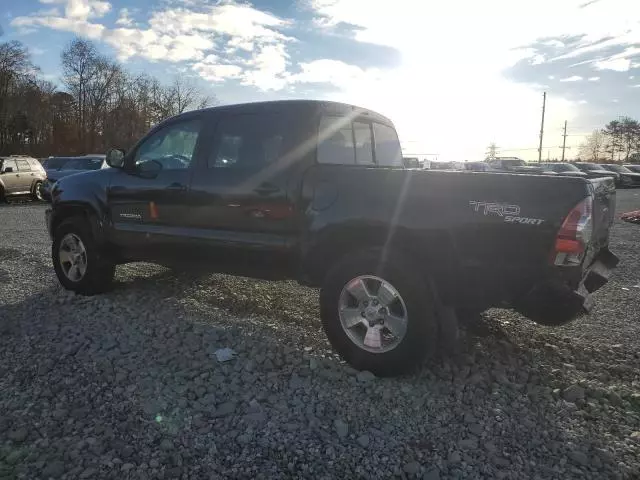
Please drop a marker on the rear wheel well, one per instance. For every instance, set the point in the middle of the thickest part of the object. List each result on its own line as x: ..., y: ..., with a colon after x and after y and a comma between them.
x: 433, y: 255
x: 34, y: 183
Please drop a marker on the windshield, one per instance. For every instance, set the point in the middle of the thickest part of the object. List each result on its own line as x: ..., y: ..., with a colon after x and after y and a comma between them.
x: 83, y: 164
x: 565, y: 167
x: 514, y: 163
x: 591, y: 166
x: 617, y: 168
x: 55, y: 163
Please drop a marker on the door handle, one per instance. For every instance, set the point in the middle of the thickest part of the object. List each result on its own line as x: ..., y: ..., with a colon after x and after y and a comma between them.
x: 266, y: 189
x: 177, y: 187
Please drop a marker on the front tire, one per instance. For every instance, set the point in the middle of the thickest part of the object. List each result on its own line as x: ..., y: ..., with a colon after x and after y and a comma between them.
x: 379, y: 316
x: 80, y: 265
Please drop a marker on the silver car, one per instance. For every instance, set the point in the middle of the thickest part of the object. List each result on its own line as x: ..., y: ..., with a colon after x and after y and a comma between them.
x: 21, y: 175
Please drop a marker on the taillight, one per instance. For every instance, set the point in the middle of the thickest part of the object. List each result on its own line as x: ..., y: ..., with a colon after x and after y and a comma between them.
x: 574, y: 234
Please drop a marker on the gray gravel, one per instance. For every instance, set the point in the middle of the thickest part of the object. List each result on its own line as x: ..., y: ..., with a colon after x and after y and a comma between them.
x: 127, y: 385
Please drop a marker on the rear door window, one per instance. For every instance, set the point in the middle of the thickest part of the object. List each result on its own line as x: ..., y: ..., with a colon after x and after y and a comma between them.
x: 249, y: 141
x: 23, y: 166
x: 388, y: 152
x: 335, y: 141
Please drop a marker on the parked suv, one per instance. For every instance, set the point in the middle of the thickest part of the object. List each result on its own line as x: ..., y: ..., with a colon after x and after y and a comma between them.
x: 21, y: 175
x: 317, y: 192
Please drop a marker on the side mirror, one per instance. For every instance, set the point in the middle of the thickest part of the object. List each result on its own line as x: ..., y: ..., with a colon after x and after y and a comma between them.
x: 115, y: 158
x: 7, y: 170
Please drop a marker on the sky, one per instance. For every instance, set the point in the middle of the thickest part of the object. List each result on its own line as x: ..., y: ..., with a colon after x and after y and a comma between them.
x: 454, y: 76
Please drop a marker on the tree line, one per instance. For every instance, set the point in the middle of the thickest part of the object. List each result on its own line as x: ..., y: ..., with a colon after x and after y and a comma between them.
x: 618, y: 141
x: 98, y: 105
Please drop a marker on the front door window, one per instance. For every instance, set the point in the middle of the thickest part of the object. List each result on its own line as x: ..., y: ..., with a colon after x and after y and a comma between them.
x: 172, y: 147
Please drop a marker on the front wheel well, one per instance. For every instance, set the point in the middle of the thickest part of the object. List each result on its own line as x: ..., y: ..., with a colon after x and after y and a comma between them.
x: 65, y: 214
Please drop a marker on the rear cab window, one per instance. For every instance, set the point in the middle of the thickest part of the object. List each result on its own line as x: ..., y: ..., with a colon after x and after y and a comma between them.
x: 342, y: 141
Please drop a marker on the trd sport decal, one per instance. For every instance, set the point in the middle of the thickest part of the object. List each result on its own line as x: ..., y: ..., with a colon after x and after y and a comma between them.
x: 510, y: 213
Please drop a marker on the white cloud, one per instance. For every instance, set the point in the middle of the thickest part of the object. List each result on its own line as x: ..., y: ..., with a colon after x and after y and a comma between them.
x: 574, y: 78
x: 618, y: 64
x: 125, y: 20
x: 268, y: 68
x: 78, y: 9
x: 593, y: 79
x: 187, y: 32
x: 335, y: 72
x: 213, y: 69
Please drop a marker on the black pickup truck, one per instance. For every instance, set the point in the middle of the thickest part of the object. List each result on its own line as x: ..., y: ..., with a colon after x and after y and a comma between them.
x: 317, y: 192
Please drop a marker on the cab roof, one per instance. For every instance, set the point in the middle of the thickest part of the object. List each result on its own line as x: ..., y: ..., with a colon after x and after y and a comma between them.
x: 302, y: 106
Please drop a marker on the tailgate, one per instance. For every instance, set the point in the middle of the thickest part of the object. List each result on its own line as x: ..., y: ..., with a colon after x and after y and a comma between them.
x: 604, y: 206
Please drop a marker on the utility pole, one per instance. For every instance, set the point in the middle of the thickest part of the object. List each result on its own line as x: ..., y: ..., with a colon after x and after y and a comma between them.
x: 492, y: 151
x: 564, y: 139
x: 544, y: 104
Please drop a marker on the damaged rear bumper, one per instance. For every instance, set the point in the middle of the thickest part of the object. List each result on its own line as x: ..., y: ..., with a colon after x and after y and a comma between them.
x: 557, y: 300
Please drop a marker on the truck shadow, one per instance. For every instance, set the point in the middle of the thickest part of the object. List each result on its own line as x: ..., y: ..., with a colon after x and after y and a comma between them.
x: 141, y: 365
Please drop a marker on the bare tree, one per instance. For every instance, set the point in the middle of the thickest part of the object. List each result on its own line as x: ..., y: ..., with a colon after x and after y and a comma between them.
x: 103, y: 105
x: 593, y: 148
x: 78, y: 63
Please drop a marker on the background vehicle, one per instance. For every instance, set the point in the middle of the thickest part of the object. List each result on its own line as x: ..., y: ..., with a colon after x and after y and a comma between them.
x: 437, y: 165
x: 634, y: 167
x: 54, y: 163
x: 477, y: 166
x: 566, y: 169
x: 412, y: 162
x: 60, y: 167
x: 515, y: 165
x: 316, y: 191
x: 21, y: 175
x: 626, y: 178
x: 595, y: 170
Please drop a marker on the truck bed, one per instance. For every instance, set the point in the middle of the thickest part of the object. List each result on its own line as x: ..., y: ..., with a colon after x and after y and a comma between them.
x: 487, y: 236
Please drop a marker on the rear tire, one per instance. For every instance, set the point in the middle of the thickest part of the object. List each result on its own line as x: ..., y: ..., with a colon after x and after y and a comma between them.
x: 37, y: 192
x: 417, y: 300
x: 91, y: 271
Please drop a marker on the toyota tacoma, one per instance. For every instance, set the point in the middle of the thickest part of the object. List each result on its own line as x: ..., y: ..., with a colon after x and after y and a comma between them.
x: 317, y: 192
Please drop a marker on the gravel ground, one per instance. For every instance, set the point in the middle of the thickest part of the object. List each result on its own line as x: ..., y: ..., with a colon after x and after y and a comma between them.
x: 126, y: 385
